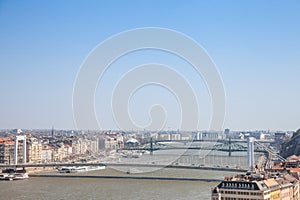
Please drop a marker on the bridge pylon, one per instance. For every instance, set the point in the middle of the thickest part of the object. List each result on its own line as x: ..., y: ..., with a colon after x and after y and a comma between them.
x: 17, y: 139
x: 151, y: 146
x: 229, y: 147
x: 250, y: 153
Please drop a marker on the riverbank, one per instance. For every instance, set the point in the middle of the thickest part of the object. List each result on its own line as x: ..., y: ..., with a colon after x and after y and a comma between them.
x: 38, y: 170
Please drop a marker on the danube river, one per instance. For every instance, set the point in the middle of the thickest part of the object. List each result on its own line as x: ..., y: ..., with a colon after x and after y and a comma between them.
x: 106, y: 188
x: 85, y: 185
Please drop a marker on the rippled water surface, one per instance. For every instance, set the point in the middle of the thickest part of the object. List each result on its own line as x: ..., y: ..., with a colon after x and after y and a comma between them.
x: 106, y: 188
x: 91, y: 188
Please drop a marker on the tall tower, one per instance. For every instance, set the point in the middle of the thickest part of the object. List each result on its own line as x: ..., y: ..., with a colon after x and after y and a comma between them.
x: 52, y: 132
x: 250, y: 153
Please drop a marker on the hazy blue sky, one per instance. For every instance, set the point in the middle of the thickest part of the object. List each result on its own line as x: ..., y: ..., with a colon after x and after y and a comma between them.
x: 255, y: 45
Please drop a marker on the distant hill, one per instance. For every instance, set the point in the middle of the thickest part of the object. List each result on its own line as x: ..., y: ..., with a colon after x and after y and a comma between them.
x: 291, y: 146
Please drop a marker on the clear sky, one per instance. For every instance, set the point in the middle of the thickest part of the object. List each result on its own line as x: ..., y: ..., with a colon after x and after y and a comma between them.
x: 254, y: 44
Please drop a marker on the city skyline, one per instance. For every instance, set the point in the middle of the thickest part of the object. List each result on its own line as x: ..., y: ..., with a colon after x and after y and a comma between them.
x: 255, y: 47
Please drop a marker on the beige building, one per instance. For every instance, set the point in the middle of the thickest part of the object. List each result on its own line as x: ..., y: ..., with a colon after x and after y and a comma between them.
x: 256, y: 187
x: 235, y: 190
x: 286, y: 189
x: 80, y: 146
x: 34, y: 150
x: 295, y: 183
x: 111, y: 141
x: 46, y: 153
x: 58, y: 152
x: 274, y: 188
x: 108, y: 143
x: 92, y: 146
x: 6, y: 152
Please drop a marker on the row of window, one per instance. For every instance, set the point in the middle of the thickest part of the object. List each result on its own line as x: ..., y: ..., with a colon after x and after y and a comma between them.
x: 227, y: 198
x: 241, y: 193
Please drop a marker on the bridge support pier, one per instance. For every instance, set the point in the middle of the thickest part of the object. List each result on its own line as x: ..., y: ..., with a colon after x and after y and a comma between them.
x: 151, y: 147
x: 229, y: 148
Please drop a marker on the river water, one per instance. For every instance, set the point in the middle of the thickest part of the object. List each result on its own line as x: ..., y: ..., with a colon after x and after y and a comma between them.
x: 116, y: 189
x: 64, y: 188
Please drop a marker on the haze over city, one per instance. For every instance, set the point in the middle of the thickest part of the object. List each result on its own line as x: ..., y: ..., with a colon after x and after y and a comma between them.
x: 255, y: 47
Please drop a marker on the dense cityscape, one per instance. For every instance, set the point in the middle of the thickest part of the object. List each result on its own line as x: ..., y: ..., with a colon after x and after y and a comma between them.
x: 64, y: 146
x: 270, y: 177
x: 149, y: 100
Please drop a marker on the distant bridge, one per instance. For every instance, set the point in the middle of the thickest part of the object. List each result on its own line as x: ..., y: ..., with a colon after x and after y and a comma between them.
x: 211, y: 140
x: 123, y: 165
x: 221, y: 145
x: 215, y: 148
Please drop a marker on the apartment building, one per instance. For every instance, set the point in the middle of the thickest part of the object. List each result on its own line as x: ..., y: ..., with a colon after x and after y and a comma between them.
x: 256, y: 187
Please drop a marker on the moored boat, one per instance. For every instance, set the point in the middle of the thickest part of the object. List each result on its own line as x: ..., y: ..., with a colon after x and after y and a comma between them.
x: 20, y: 176
x: 93, y: 168
x: 67, y: 170
x: 12, y: 174
x: 80, y: 169
x: 6, y: 177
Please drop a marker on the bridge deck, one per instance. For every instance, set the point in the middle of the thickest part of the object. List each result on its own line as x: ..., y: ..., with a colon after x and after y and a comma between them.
x: 124, y: 164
